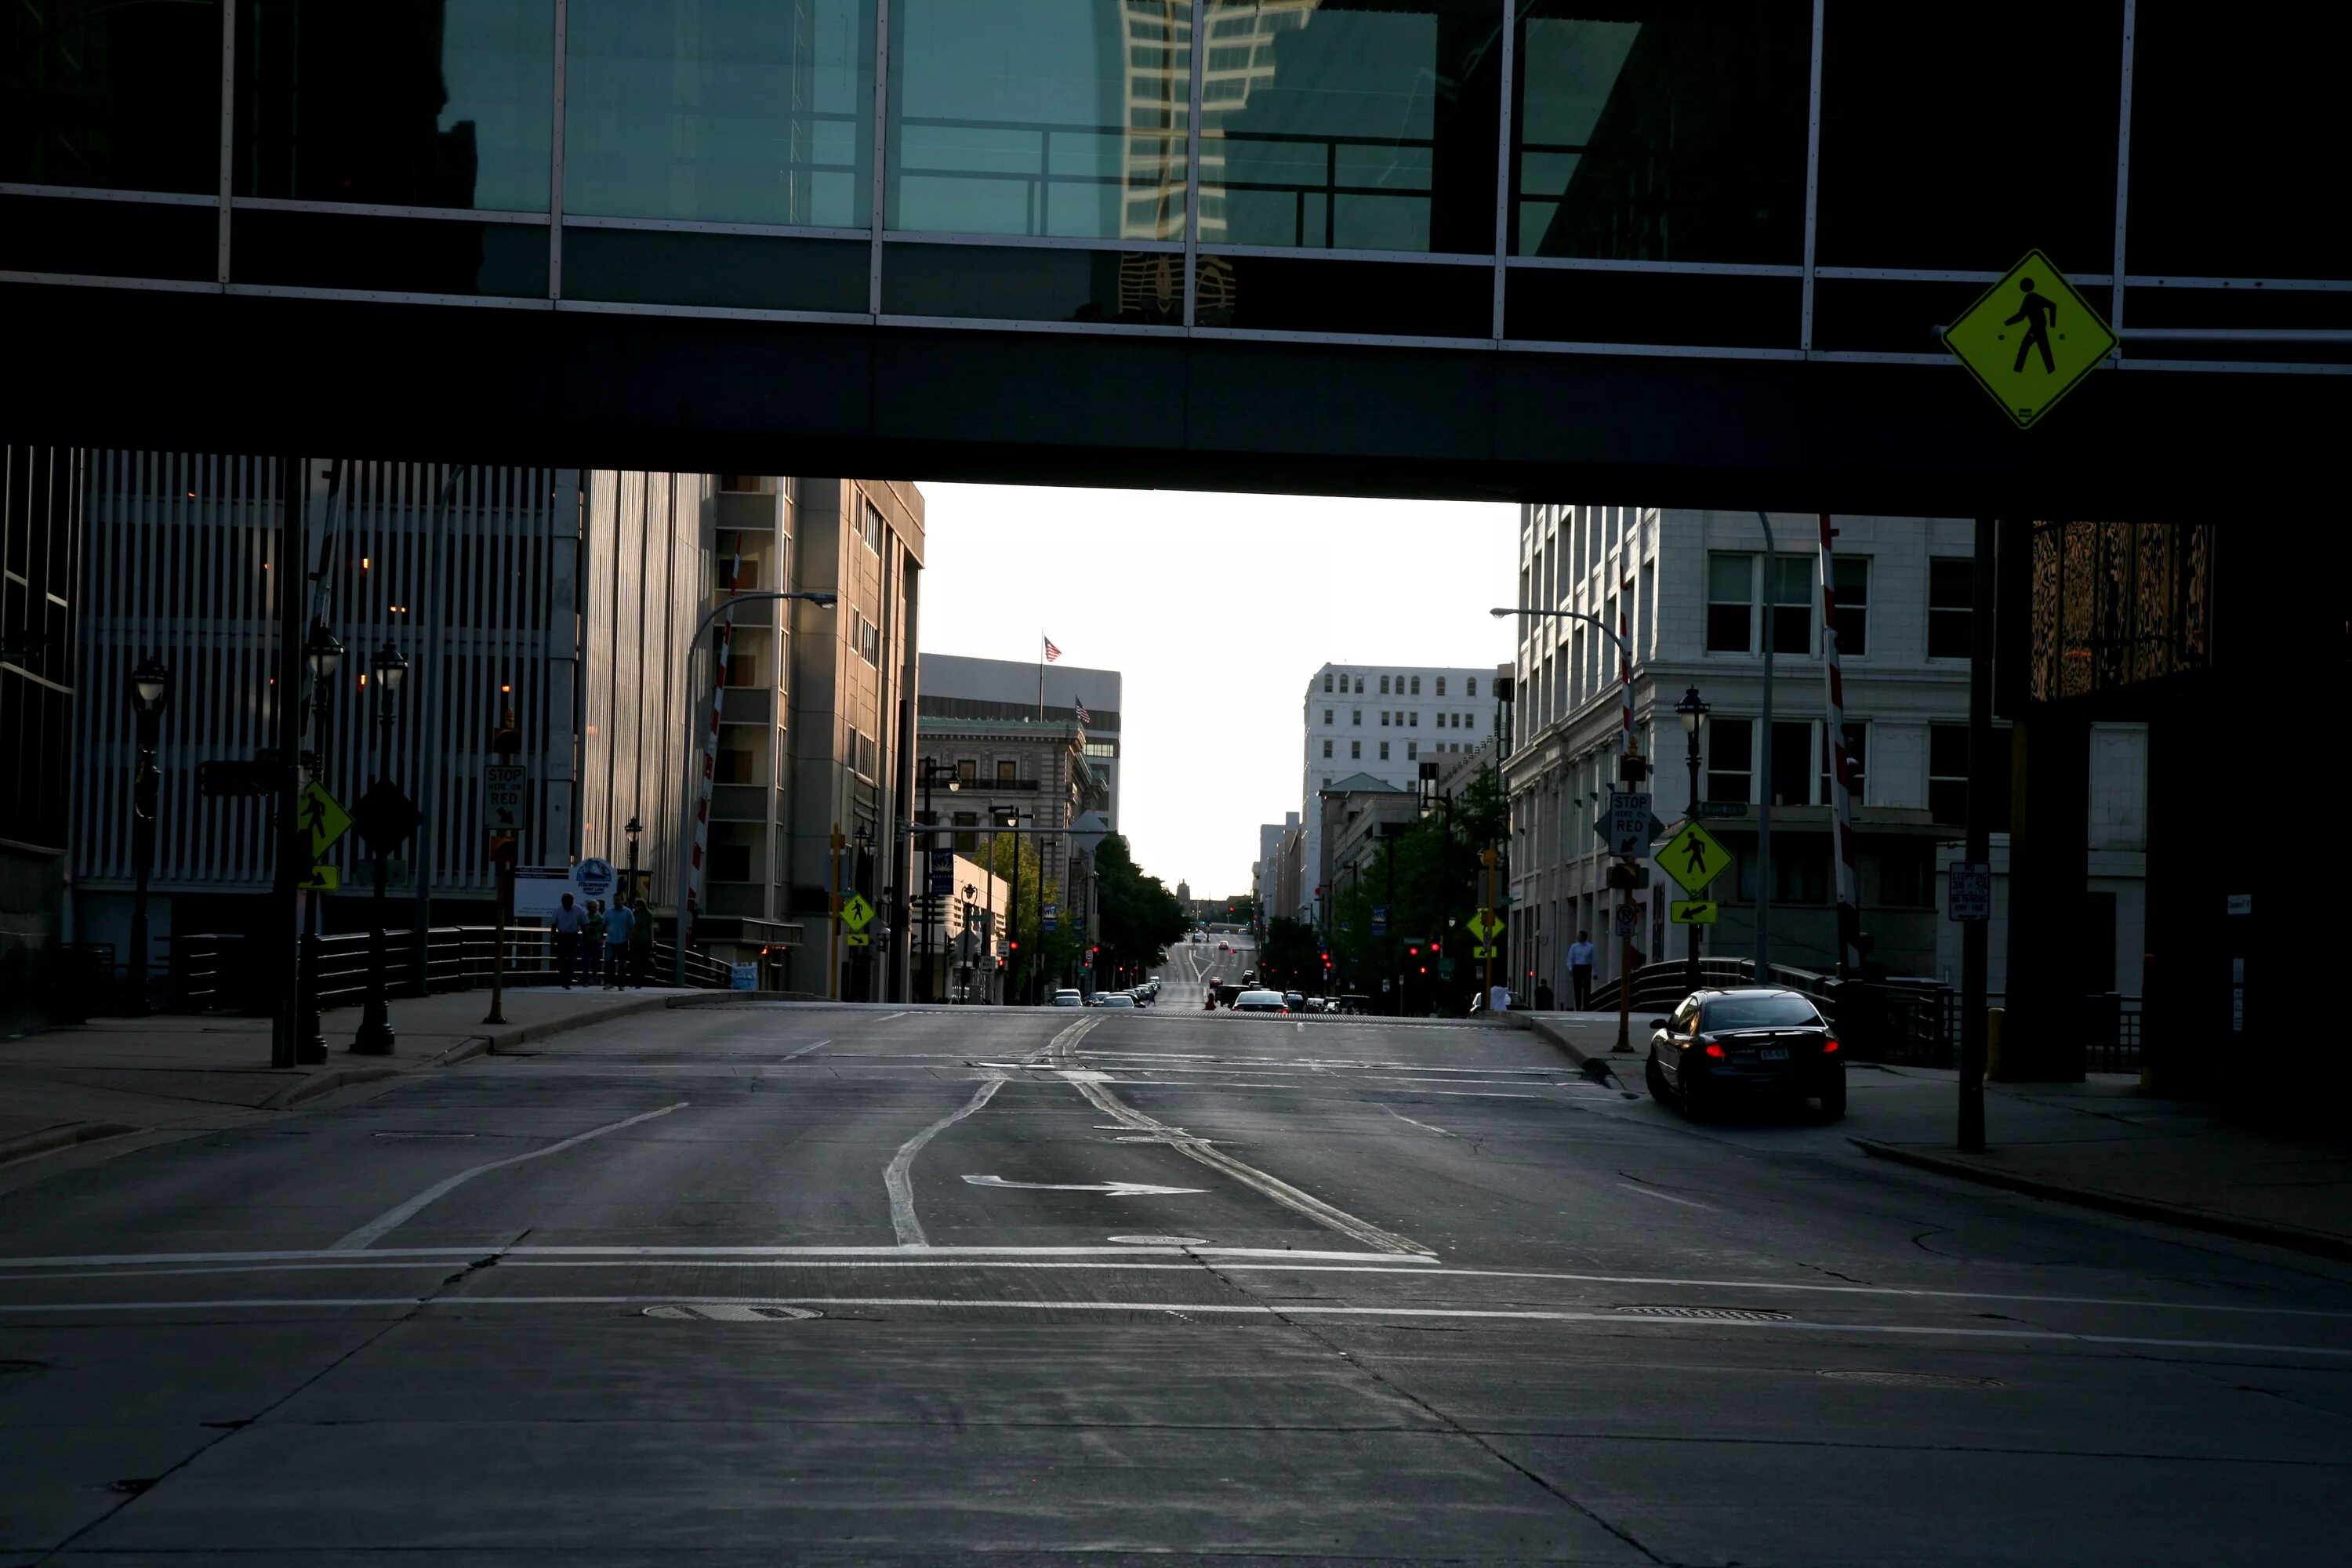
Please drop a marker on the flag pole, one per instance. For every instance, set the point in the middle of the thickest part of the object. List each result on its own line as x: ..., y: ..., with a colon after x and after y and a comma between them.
x: 1041, y: 677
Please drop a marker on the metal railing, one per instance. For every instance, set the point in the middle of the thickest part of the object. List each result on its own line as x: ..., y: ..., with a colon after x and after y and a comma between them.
x: 220, y: 971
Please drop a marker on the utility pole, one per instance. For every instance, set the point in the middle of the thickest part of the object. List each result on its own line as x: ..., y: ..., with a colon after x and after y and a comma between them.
x: 507, y: 743
x: 151, y: 693
x: 1975, y: 934
x: 832, y: 924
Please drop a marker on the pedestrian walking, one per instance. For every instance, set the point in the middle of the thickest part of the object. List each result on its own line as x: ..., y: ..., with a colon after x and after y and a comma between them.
x: 1580, y: 956
x: 616, y: 945
x: 641, y: 943
x: 568, y: 919
x: 591, y: 941
x: 1543, y: 997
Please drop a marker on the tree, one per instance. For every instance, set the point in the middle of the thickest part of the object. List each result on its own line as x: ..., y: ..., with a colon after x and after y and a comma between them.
x: 1041, y: 952
x: 1291, y: 958
x: 1139, y: 917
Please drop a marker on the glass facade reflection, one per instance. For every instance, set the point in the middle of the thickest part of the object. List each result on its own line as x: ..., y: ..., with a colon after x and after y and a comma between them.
x: 426, y: 103
x: 1661, y: 132
x: 95, y: 93
x: 1351, y: 124
x: 1352, y: 168
x: 1039, y: 117
x: 723, y: 110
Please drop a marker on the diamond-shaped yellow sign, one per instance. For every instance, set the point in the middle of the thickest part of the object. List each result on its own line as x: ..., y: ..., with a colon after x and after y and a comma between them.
x: 1693, y: 858
x: 1484, y: 924
x: 856, y: 912
x: 2029, y: 339
x: 322, y: 817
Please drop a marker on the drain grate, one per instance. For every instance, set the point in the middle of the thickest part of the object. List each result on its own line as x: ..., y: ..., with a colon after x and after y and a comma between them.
x: 733, y: 1313
x: 1913, y: 1379
x: 1713, y: 1314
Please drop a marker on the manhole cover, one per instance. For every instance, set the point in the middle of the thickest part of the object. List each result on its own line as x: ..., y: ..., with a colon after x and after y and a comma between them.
x: 1712, y: 1314
x: 1161, y: 1240
x: 733, y: 1313
x: 1913, y: 1379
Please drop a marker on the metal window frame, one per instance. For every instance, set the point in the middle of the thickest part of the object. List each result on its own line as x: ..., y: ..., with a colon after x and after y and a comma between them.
x: 98, y: 194
x: 1812, y: 182
x: 555, y: 149
x: 2122, y: 165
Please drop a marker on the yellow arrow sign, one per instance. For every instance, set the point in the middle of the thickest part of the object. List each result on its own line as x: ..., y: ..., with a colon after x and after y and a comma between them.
x: 323, y: 817
x: 324, y: 880
x: 1694, y: 911
x: 1693, y: 858
x: 856, y: 912
x: 858, y: 939
x: 2029, y: 339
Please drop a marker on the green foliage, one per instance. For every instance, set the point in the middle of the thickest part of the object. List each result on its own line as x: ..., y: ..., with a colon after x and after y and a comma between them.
x: 1139, y: 916
x: 1438, y: 879
x: 1290, y: 959
x: 1043, y: 953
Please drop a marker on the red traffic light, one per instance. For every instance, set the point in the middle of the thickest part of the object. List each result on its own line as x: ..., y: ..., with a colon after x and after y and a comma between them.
x: 1015, y: 946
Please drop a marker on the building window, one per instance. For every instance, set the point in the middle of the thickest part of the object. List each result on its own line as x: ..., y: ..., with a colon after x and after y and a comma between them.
x: 1950, y: 594
x: 1355, y: 750
x: 1412, y: 720
x: 863, y: 758
x: 1326, y: 751
x: 1355, y: 716
x: 1441, y: 686
x: 1906, y: 874
x: 966, y: 770
x: 1102, y: 748
x: 1327, y: 684
x: 966, y: 842
x: 1327, y: 715
x: 1416, y: 686
x: 1852, y: 577
x: 1792, y: 604
x: 1004, y: 768
x: 869, y: 639
x: 1948, y: 772
x: 1384, y: 686
x: 870, y: 528
x: 1385, y: 750
x: 1385, y: 717
x: 1857, y: 743
x: 1470, y: 687
x: 1730, y: 758
x: 1792, y: 774
x: 1411, y: 750
x: 1730, y: 591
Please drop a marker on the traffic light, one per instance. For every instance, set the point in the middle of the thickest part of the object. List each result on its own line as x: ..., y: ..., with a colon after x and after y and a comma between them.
x: 1012, y: 946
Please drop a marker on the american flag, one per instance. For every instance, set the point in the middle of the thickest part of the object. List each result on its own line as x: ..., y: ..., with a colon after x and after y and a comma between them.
x: 1083, y: 717
x: 1051, y: 651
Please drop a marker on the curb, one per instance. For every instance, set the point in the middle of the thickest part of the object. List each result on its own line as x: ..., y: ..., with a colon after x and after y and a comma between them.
x: 515, y: 1035
x: 2318, y: 1244
x: 51, y: 1139
x: 318, y: 1083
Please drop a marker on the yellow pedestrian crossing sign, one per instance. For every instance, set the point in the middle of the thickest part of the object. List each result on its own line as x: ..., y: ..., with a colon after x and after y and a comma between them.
x: 322, y: 817
x: 1693, y: 858
x: 1695, y: 912
x: 2029, y: 339
x: 857, y: 913
x: 1484, y: 925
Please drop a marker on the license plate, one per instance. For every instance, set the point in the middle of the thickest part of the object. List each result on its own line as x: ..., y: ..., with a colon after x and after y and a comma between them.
x: 1773, y: 1054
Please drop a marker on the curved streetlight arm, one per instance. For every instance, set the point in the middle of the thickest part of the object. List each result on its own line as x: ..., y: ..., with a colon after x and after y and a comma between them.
x: 1624, y: 648
x: 823, y: 600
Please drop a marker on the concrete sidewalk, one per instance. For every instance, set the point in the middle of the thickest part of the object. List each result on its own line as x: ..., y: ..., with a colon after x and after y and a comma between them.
x: 171, y: 1074
x: 2100, y: 1143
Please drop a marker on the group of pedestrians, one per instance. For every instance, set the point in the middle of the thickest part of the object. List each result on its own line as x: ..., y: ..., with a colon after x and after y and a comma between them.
x: 614, y: 947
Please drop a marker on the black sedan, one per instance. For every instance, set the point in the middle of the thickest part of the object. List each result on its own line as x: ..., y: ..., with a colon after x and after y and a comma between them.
x: 1733, y: 1047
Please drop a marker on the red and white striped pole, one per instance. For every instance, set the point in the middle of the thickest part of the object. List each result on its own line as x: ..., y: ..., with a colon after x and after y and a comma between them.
x: 1849, y: 901
x: 710, y: 757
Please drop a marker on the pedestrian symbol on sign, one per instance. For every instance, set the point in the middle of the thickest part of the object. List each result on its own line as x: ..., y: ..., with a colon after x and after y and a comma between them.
x: 2037, y: 313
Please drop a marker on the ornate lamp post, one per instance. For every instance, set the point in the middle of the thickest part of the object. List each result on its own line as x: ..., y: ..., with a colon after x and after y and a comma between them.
x: 322, y: 654
x: 1693, y: 714
x: 933, y: 770
x: 375, y: 1036
x: 151, y: 693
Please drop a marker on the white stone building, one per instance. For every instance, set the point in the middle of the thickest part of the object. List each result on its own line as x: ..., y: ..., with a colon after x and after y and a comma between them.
x: 1696, y: 592
x: 1383, y: 720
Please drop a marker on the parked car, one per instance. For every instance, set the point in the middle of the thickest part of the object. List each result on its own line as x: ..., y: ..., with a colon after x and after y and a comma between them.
x: 1295, y: 1000
x: 1260, y: 1001
x: 1315, y: 1005
x: 1066, y: 997
x: 1114, y: 999
x: 1739, y: 1044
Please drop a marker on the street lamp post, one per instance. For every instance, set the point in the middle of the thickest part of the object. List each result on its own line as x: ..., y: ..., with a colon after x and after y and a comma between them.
x: 688, y: 802
x: 1693, y: 714
x: 632, y: 829
x: 151, y: 693
x: 322, y: 654
x: 375, y: 1036
x: 934, y: 769
x: 1011, y: 818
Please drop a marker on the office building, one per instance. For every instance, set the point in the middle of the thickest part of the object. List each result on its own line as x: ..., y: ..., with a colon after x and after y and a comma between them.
x: 42, y: 699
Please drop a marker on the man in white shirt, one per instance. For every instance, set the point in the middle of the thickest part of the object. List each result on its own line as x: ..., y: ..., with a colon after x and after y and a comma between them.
x: 1580, y: 955
x: 568, y: 922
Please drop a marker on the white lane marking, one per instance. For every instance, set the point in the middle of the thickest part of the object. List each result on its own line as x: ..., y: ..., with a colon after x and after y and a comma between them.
x: 1654, y: 1192
x: 657, y: 1252
x: 1084, y: 1075
x: 1114, y: 1189
x: 795, y: 1056
x: 898, y: 1177
x: 1424, y: 1126
x: 401, y: 1214
x: 1281, y: 1191
x: 885, y: 1017
x: 1220, y: 1309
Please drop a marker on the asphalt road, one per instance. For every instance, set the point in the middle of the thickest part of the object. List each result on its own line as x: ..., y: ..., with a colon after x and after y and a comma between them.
x: 1092, y: 1285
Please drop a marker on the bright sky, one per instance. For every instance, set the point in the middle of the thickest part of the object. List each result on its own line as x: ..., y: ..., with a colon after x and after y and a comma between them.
x: 1215, y: 609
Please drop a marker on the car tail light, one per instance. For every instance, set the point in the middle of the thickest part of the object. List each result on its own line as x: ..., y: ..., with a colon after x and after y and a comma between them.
x: 1715, y: 1050
x: 1828, y: 1045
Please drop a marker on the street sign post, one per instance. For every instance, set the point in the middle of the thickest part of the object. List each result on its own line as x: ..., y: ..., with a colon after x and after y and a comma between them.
x: 1693, y: 911
x: 1380, y: 919
x: 1628, y: 919
x: 2029, y: 339
x: 503, y: 788
x: 1629, y: 822
x: 1694, y: 858
x: 1968, y: 891
x: 1709, y: 810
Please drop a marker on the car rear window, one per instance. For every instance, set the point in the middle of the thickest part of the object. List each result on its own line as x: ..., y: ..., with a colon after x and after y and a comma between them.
x: 1757, y: 1013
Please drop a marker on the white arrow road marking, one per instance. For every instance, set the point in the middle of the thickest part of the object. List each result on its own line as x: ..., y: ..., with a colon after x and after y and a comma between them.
x: 394, y: 1217
x: 1280, y: 1191
x: 899, y: 1175
x: 1116, y: 1189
